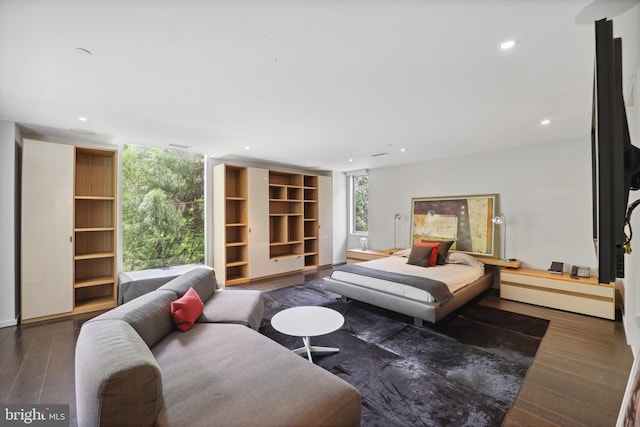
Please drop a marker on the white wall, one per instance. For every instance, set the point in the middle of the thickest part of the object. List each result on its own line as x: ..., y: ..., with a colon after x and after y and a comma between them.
x: 8, y: 225
x: 544, y: 191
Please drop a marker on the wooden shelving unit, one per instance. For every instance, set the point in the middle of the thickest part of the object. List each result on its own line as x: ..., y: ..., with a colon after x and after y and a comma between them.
x: 310, y: 193
x: 270, y: 220
x: 236, y: 227
x: 286, y: 214
x: 95, y: 269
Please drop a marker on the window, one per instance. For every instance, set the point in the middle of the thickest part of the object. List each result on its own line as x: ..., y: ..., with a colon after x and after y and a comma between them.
x: 360, y: 204
x: 162, y: 208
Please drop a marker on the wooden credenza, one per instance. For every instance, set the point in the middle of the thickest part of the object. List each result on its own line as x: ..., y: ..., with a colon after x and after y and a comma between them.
x: 559, y: 291
x: 358, y: 255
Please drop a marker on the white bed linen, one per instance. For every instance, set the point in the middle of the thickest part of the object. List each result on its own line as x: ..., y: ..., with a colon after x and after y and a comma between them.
x: 455, y: 276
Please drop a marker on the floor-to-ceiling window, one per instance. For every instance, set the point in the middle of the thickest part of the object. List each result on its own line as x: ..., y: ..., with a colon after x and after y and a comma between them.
x: 359, y: 204
x: 162, y: 208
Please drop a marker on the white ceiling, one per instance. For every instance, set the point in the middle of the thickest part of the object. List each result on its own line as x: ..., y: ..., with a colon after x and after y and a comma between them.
x: 309, y: 83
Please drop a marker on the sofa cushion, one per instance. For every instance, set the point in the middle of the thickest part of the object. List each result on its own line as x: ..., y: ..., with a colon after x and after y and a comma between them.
x: 229, y: 375
x: 241, y: 306
x: 132, y: 284
x: 149, y: 315
x: 186, y: 309
x: 118, y: 381
x: 202, y: 279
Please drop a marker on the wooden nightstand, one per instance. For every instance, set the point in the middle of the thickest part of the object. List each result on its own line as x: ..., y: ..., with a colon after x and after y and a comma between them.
x: 358, y: 255
x: 500, y: 263
x: 560, y: 291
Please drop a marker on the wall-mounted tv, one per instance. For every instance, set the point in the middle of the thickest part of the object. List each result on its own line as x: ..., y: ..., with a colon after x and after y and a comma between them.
x: 615, y: 162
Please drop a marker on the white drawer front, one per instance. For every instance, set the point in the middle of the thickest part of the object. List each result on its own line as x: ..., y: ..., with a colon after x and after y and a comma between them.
x: 286, y: 264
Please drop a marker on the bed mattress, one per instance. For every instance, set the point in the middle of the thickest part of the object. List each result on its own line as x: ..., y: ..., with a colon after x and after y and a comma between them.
x: 455, y: 276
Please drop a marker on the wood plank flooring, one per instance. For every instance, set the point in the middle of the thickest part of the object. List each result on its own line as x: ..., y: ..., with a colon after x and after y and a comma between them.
x: 577, y: 379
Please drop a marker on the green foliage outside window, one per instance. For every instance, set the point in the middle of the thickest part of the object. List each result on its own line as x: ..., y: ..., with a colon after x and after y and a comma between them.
x: 162, y: 208
x: 361, y: 204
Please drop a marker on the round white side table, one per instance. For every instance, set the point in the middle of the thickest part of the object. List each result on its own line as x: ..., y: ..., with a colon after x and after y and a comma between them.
x: 307, y: 322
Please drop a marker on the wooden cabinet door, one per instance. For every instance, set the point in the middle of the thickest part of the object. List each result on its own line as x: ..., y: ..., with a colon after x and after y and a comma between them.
x: 258, y: 202
x: 47, y: 229
x: 325, y: 220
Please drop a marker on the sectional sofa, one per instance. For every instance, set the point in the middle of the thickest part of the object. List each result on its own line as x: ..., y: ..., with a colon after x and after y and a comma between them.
x: 135, y: 368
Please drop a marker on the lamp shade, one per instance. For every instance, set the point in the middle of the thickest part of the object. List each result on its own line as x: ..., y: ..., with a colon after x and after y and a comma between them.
x: 498, y: 220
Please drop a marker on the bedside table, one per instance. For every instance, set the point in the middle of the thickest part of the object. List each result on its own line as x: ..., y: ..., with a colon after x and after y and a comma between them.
x: 358, y: 255
x: 500, y: 263
x: 560, y: 291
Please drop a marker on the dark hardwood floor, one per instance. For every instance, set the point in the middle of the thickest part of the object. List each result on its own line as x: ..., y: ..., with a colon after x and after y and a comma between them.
x: 577, y: 379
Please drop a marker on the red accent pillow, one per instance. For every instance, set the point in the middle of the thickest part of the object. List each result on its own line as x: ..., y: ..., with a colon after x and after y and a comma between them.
x: 433, y: 259
x: 187, y: 309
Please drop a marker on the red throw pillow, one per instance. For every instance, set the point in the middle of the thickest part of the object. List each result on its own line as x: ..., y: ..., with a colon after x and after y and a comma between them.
x: 434, y: 254
x: 186, y: 310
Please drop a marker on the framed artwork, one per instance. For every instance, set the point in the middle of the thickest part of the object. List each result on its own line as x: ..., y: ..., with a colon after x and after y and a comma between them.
x: 464, y: 219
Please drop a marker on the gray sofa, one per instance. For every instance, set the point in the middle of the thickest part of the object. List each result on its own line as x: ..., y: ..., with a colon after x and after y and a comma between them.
x: 135, y: 368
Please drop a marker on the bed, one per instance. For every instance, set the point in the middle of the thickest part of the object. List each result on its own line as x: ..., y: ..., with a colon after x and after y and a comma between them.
x: 378, y: 282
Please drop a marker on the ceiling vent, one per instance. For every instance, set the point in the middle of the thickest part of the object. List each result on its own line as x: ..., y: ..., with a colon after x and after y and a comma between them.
x: 380, y: 154
x: 185, y: 147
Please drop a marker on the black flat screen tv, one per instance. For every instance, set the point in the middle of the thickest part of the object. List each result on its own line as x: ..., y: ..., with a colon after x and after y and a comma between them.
x: 615, y: 161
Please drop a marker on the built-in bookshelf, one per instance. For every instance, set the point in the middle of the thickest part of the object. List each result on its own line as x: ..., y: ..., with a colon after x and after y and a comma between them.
x: 236, y: 227
x: 95, y: 267
x: 286, y: 214
x: 270, y: 220
x: 310, y: 192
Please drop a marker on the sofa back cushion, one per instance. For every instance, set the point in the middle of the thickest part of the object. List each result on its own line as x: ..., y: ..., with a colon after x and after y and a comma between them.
x: 202, y: 279
x: 118, y: 381
x: 149, y: 315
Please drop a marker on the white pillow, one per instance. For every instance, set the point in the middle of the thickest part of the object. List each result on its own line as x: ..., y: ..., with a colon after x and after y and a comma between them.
x: 403, y: 253
x: 463, y: 258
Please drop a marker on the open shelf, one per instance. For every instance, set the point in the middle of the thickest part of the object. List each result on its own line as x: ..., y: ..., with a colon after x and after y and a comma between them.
x: 94, y: 255
x: 95, y: 173
x: 293, y: 212
x: 236, y: 225
x: 279, y: 250
x: 286, y: 212
x: 235, y: 182
x: 236, y: 274
x: 94, y: 281
x: 95, y: 284
x: 94, y: 303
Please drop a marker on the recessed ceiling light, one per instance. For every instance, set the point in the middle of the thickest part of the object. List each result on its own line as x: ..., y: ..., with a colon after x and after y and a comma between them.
x: 83, y: 119
x: 507, y: 44
x: 545, y: 122
x: 350, y: 160
x: 246, y: 147
x: 402, y: 150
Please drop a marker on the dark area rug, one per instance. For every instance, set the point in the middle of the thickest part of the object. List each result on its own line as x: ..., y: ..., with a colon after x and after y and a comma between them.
x: 464, y: 371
